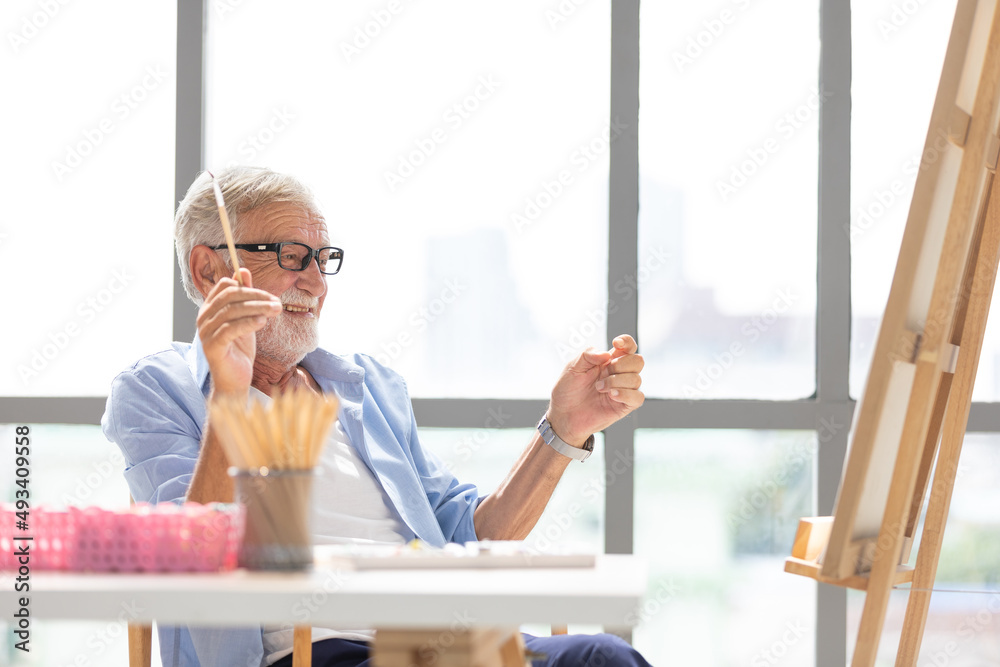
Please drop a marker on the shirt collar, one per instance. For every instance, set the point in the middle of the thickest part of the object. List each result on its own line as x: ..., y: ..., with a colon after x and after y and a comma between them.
x: 198, y: 364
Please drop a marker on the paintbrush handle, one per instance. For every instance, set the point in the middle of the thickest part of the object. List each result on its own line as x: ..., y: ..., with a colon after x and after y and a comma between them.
x: 227, y: 230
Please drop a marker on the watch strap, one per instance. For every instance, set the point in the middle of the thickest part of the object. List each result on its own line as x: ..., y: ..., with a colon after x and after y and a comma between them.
x: 555, y: 442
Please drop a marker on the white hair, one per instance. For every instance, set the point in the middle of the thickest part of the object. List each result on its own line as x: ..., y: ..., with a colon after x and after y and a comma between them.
x: 243, y: 189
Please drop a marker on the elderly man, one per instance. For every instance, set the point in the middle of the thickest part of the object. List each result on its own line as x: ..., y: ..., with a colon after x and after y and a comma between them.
x: 259, y: 339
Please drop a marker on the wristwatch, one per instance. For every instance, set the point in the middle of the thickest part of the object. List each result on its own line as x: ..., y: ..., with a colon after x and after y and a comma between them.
x: 561, y: 446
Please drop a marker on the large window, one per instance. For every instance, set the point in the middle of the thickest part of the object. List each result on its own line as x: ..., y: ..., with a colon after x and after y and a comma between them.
x: 717, y: 511
x: 472, y: 271
x: 86, y: 234
x: 727, y: 198
x: 469, y: 158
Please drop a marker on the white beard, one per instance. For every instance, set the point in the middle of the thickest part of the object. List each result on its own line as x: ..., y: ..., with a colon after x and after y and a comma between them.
x: 288, y: 339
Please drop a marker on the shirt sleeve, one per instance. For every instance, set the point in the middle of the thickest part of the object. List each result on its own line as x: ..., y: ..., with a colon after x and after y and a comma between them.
x: 156, y: 422
x: 454, y: 503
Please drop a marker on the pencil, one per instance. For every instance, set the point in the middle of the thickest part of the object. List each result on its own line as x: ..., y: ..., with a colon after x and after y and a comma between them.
x: 288, y: 434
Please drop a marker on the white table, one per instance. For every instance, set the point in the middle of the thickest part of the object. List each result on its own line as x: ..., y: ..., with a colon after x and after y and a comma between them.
x: 608, y: 595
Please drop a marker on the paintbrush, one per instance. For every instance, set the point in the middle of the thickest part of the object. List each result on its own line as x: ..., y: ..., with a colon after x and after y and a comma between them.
x: 226, y: 228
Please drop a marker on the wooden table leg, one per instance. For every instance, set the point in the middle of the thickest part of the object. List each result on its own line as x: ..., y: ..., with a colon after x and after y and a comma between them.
x: 512, y: 651
x: 302, y: 648
x: 140, y: 645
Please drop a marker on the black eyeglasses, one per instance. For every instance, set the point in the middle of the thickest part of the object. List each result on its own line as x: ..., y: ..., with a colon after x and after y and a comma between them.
x: 296, y: 256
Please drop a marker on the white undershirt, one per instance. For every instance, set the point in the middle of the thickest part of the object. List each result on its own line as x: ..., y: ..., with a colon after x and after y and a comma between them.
x: 349, y: 507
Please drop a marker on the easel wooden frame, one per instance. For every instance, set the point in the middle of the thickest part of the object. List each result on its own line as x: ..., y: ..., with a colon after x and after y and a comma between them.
x: 920, y: 385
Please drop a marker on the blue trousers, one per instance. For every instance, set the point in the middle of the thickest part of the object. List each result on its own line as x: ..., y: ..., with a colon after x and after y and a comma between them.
x: 562, y: 651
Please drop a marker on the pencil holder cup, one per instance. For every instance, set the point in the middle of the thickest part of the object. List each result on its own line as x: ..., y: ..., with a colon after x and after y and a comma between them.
x: 277, y: 502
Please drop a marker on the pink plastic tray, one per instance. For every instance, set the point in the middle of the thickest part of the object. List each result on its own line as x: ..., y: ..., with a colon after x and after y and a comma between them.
x: 145, y: 538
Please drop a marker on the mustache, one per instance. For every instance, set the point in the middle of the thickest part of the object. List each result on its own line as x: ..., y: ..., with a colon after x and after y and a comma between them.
x: 299, y: 299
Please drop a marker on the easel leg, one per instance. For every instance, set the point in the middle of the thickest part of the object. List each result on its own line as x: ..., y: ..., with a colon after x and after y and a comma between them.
x: 978, y: 286
x: 891, y: 534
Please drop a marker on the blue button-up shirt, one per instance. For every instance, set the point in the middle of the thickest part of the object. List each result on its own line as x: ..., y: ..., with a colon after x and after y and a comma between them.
x: 155, y: 414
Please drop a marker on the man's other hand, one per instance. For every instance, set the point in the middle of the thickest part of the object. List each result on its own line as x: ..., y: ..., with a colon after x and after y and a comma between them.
x: 595, y: 390
x: 228, y: 322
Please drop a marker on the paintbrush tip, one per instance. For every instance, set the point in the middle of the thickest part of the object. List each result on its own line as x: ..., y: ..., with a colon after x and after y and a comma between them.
x: 210, y: 174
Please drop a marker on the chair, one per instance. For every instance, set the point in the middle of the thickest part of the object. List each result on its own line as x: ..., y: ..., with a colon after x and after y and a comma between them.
x: 140, y: 646
x: 140, y: 637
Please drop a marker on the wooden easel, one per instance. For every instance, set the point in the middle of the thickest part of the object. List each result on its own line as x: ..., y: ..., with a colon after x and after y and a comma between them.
x: 920, y: 385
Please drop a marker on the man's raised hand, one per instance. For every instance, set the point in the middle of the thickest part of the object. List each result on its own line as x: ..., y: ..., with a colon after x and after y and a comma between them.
x: 228, y: 322
x: 595, y: 390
